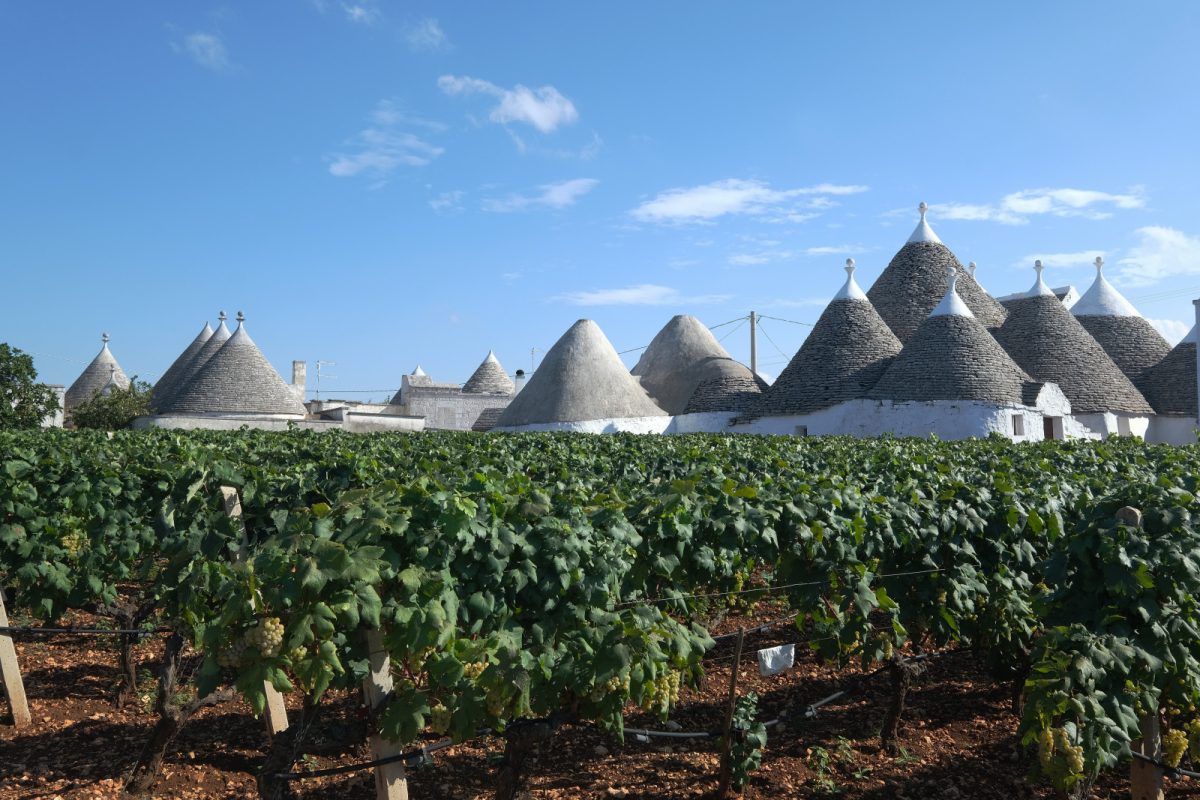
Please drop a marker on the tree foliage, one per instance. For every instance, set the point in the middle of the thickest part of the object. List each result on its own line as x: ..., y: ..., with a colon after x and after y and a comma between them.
x: 24, y: 403
x: 115, y: 409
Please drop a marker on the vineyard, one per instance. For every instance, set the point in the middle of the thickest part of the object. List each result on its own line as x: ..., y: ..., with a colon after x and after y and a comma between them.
x: 521, y: 586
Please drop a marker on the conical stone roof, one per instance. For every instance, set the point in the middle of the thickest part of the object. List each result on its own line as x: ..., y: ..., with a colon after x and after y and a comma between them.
x: 581, y: 378
x: 209, y: 349
x: 169, y: 381
x: 1130, y: 341
x: 1170, y: 385
x: 95, y: 377
x: 238, y: 379
x: 685, y: 370
x: 489, y: 378
x: 842, y: 359
x: 1048, y: 342
x: 951, y: 356
x: 909, y: 288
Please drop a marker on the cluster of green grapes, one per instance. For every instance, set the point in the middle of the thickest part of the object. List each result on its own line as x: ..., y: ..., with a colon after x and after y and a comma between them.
x: 1193, y: 734
x: 889, y: 649
x: 617, y: 684
x: 1061, y: 761
x: 439, y: 718
x: 1174, y: 744
x: 265, y: 635
x: 663, y: 692
x: 474, y: 669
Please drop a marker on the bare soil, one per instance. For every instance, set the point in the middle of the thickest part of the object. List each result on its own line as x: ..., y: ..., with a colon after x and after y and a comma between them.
x: 958, y: 737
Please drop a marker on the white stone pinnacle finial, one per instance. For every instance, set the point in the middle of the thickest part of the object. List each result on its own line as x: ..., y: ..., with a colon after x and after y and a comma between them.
x: 1037, y: 267
x: 241, y: 318
x: 1099, y: 266
x: 952, y: 274
x: 849, y: 266
x: 221, y: 316
x: 104, y: 338
x: 972, y: 267
x: 923, y: 208
x: 850, y: 289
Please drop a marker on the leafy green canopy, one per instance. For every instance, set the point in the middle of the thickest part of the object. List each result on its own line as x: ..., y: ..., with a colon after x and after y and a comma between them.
x: 24, y: 403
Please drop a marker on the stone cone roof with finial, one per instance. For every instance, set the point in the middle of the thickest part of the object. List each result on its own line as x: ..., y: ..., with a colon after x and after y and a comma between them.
x: 580, y: 378
x: 908, y: 289
x: 685, y: 370
x: 951, y: 356
x: 1170, y: 385
x: 1048, y: 342
x: 238, y: 379
x: 95, y: 377
x: 169, y: 382
x: 489, y: 378
x: 209, y: 349
x: 842, y: 359
x: 1130, y: 341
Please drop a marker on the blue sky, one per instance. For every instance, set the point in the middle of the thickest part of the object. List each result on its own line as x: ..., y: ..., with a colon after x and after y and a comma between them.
x: 382, y: 184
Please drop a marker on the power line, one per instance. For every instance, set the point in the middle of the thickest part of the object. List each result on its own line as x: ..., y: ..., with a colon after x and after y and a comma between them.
x: 734, y: 330
x: 781, y: 319
x: 772, y: 341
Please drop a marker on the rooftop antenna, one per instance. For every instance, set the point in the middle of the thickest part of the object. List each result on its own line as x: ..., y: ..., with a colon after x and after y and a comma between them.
x: 320, y: 364
x: 533, y: 351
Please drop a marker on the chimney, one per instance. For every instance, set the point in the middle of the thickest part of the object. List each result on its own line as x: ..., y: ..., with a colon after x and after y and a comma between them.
x: 519, y: 380
x: 299, y: 378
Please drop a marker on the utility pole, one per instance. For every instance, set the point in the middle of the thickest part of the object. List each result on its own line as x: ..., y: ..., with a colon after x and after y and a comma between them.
x: 753, y: 343
x: 321, y: 375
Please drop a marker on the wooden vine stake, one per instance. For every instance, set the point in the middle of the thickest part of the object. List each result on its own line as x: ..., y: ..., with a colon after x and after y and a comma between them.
x: 10, y: 672
x: 275, y: 712
x: 726, y: 784
x: 391, y: 783
x: 1145, y: 780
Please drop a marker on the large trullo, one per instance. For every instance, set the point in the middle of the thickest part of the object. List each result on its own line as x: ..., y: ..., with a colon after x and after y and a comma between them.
x: 581, y: 385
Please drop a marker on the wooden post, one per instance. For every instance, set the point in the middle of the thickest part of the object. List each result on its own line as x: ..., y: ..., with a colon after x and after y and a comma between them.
x: 723, y: 789
x: 275, y: 712
x: 10, y: 672
x: 1146, y: 780
x: 391, y: 782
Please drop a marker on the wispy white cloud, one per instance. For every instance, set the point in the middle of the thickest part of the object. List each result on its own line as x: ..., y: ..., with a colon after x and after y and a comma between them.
x: 646, y: 294
x: 206, y: 49
x: 731, y: 196
x: 1160, y: 253
x: 363, y: 13
x: 549, y: 195
x: 770, y: 255
x: 1016, y: 208
x: 383, y: 146
x: 545, y: 108
x: 1061, y: 260
x: 426, y: 36
x: 1171, y: 329
x: 447, y: 202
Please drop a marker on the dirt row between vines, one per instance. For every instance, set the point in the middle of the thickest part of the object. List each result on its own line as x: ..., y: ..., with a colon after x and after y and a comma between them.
x: 958, y: 737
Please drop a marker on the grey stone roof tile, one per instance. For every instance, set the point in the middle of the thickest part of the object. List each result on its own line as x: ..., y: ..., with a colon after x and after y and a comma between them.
x: 843, y: 357
x: 168, y: 383
x: 580, y: 378
x: 238, y: 379
x: 952, y: 357
x: 1171, y: 383
x: 685, y: 370
x: 489, y: 378
x: 1131, y: 342
x: 95, y: 377
x: 1050, y: 344
x: 915, y: 282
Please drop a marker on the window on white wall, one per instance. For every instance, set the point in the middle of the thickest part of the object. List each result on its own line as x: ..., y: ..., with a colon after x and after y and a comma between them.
x: 1018, y: 424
